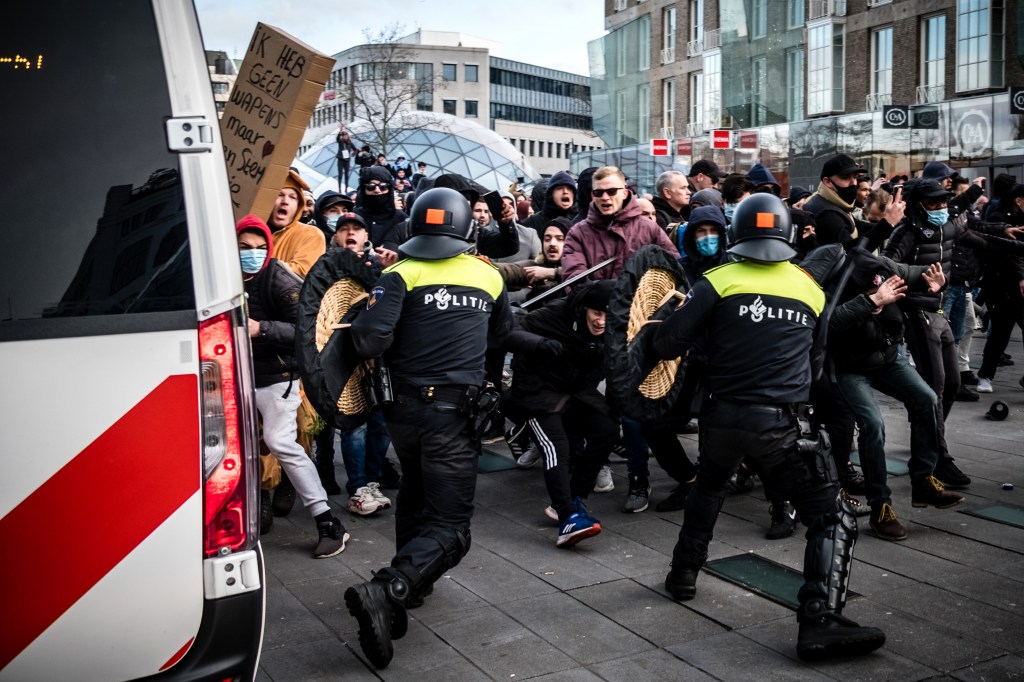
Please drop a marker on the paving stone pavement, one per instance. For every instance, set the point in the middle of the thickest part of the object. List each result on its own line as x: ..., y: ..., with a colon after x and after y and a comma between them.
x: 950, y: 597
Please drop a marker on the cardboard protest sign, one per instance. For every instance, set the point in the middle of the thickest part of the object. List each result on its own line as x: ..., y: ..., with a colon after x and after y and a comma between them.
x: 278, y: 86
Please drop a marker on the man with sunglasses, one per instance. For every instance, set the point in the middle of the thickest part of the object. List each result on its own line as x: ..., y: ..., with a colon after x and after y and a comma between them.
x: 376, y: 205
x: 615, y: 227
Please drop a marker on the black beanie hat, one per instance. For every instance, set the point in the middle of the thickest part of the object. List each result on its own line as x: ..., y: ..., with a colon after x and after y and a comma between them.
x: 597, y: 295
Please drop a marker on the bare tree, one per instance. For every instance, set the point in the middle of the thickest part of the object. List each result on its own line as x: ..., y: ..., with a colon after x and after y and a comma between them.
x: 391, y: 86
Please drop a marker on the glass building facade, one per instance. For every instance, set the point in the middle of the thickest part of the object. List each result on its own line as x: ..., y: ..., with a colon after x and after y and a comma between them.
x: 979, y: 136
x: 797, y: 81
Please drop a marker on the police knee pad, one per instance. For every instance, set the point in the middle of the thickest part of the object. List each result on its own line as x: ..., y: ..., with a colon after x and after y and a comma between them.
x: 455, y: 542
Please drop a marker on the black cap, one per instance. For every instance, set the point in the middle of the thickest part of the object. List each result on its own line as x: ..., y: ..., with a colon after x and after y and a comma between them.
x: 929, y: 189
x: 708, y: 168
x: 841, y: 164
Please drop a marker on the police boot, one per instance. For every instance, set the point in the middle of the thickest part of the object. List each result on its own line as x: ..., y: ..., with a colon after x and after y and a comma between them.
x: 691, y: 550
x: 824, y: 631
x: 379, y: 620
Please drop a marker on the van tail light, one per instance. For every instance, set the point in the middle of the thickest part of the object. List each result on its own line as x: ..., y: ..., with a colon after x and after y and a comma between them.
x: 226, y: 500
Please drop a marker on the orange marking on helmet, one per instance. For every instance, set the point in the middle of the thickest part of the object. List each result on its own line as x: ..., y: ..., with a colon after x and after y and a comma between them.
x: 435, y: 216
x: 766, y: 220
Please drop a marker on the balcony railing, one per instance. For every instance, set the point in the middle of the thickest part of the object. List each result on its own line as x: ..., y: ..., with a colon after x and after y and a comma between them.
x: 694, y: 48
x: 694, y: 129
x: 620, y: 5
x: 877, y: 100
x: 668, y: 133
x: 878, y: 3
x: 826, y: 8
x: 926, y: 94
x: 712, y: 39
x: 668, y: 55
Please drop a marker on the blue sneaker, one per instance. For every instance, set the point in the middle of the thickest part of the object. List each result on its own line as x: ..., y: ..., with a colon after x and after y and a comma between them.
x: 579, y: 526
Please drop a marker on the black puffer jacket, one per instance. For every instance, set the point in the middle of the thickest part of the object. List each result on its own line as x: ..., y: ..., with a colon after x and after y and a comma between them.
x: 273, y: 299
x: 918, y: 242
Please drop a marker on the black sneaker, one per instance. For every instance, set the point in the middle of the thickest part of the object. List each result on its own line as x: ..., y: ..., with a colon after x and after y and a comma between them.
x: 968, y: 378
x: 783, y: 520
x: 332, y: 539
x: 284, y: 497
x: 1005, y: 360
x: 676, y: 499
x: 965, y: 395
x: 949, y: 473
x: 682, y: 584
x: 518, y: 439
x: 638, y: 497
x: 852, y: 479
x: 832, y: 636
x: 369, y: 605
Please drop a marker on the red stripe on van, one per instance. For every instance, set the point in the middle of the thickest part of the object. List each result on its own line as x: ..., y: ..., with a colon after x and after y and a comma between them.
x: 76, y: 527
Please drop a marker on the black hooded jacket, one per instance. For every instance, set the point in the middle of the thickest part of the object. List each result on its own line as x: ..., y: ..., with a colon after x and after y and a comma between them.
x: 694, y: 263
x: 379, y: 212
x: 273, y: 300
x: 540, y: 219
x: 542, y: 383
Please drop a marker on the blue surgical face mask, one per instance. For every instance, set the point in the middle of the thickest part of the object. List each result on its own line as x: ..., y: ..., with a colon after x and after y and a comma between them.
x: 729, y: 209
x: 938, y: 217
x: 252, y: 260
x: 708, y: 245
x: 332, y: 222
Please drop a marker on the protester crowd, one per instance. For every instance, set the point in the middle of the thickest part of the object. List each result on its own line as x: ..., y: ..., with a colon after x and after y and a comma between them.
x: 897, y: 276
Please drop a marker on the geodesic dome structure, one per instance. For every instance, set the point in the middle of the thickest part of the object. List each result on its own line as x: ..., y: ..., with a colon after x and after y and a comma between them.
x: 447, y: 144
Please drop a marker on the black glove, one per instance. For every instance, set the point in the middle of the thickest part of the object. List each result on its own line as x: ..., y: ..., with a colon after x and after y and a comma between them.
x: 552, y: 347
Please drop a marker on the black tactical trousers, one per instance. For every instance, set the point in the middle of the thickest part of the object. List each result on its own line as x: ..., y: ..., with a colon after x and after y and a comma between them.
x: 435, y: 496
x: 768, y: 434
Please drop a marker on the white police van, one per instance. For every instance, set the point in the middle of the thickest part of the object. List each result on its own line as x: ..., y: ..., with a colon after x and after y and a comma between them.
x: 129, y: 495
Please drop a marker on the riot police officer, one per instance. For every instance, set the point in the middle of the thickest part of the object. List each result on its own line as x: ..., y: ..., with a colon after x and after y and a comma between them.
x: 428, y: 316
x: 760, y: 315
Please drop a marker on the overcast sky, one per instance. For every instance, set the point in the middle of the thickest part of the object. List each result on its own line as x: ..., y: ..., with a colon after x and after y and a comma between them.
x: 551, y: 34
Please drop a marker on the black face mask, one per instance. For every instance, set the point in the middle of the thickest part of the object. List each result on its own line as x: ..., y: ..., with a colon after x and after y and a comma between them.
x: 847, y: 194
x: 377, y: 202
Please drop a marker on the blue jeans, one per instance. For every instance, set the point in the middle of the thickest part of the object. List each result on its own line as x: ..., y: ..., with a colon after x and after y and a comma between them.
x: 955, y: 307
x: 900, y: 381
x: 363, y: 449
x: 637, y: 452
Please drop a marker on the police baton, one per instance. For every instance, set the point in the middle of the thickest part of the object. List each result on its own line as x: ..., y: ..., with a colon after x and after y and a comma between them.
x: 571, y: 280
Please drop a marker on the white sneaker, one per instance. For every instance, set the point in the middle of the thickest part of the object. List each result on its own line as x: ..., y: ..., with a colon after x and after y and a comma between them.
x: 381, y: 498
x: 529, y: 458
x: 363, y: 502
x: 551, y: 513
x: 984, y: 385
x: 604, y: 483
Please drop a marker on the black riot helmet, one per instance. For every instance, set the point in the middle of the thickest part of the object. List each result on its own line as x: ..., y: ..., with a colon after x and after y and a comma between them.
x: 440, y: 226
x: 761, y: 230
